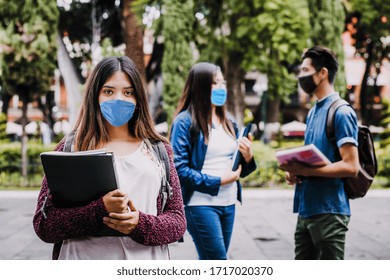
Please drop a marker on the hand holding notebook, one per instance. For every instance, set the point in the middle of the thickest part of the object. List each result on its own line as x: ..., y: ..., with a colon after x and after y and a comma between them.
x: 309, y: 155
x: 237, y: 157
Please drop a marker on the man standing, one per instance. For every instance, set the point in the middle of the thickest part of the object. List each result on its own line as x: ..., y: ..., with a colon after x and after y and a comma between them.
x: 320, y: 200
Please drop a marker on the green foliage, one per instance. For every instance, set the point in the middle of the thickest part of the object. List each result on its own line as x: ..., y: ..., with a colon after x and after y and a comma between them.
x: 372, y: 12
x: 248, y: 116
x: 175, y: 25
x: 385, y: 122
x: 109, y: 50
x: 177, y: 60
x: 13, y: 181
x: 327, y: 25
x: 383, y: 158
x: 10, y: 154
x: 267, y: 173
x: 28, y: 31
x: 3, y: 126
x: 261, y: 35
x: 10, y: 164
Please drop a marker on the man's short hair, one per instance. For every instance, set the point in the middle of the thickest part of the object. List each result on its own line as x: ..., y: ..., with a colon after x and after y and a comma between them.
x: 323, y: 57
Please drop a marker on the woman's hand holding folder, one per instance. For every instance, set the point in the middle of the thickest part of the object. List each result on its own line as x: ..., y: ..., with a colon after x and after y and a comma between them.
x: 123, y: 222
x: 123, y: 216
x: 245, y: 147
x: 116, y: 201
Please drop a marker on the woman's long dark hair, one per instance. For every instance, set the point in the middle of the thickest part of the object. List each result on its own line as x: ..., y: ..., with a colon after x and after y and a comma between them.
x: 197, y: 99
x: 91, y: 131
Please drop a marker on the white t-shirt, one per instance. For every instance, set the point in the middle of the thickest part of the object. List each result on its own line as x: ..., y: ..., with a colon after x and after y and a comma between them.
x: 218, y: 161
x: 139, y: 175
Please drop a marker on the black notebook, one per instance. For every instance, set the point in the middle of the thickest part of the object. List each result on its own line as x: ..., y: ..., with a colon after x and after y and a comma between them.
x: 75, y: 179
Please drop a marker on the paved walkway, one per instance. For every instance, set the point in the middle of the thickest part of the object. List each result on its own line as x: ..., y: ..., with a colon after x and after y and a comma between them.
x: 264, y: 228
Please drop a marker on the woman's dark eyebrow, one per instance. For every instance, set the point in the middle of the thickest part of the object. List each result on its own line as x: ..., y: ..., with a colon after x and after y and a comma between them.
x: 107, y: 86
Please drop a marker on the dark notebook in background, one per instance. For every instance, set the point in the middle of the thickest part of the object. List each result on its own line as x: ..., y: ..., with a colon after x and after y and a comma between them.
x: 77, y: 178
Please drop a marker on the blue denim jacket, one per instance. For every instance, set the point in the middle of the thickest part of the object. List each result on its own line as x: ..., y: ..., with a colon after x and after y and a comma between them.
x: 189, y: 158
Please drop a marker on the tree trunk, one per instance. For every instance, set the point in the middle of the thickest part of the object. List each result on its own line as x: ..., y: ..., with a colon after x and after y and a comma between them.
x: 71, y: 80
x: 273, y: 105
x: 327, y: 25
x: 363, y: 90
x: 236, y: 96
x: 47, y: 134
x: 5, y: 98
x: 133, y: 37
x: 24, y: 139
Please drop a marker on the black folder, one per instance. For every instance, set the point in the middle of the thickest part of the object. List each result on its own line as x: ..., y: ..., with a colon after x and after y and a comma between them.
x: 77, y: 178
x: 237, y: 157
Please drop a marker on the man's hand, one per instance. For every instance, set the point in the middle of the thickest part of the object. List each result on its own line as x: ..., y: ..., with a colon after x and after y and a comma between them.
x: 292, y: 179
x: 296, y: 168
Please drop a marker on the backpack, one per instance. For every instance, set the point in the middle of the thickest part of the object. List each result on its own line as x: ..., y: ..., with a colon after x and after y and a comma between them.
x: 358, y: 186
x: 161, y: 155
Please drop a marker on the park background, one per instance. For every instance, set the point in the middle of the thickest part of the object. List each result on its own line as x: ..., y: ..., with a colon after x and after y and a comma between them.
x: 48, y: 48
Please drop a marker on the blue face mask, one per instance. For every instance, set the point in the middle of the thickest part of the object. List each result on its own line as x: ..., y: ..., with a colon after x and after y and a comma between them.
x: 218, y: 96
x: 117, y: 112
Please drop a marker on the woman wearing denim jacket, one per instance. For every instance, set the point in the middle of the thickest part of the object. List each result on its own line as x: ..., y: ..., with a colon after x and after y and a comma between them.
x: 204, y: 139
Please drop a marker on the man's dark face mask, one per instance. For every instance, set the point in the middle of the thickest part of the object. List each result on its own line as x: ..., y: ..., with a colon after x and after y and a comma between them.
x: 307, y: 84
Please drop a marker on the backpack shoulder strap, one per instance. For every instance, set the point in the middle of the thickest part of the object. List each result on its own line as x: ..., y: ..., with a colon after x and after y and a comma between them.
x: 161, y: 154
x: 69, y: 139
x: 330, y: 131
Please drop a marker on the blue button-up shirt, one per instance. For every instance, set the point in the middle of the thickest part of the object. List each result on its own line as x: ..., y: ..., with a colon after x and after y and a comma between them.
x: 320, y: 195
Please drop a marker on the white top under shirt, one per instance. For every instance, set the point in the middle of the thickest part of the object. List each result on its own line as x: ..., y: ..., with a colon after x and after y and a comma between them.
x: 218, y: 161
x: 139, y: 175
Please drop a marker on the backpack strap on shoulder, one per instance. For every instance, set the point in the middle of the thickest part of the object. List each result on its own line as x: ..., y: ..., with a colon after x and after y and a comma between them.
x: 161, y: 154
x: 69, y: 139
x: 330, y: 131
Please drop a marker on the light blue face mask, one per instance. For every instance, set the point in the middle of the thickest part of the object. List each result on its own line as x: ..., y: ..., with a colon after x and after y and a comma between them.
x: 117, y: 112
x: 218, y: 96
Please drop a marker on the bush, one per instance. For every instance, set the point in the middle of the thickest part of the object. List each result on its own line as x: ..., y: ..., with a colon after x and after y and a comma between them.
x: 267, y: 173
x: 10, y: 162
x: 15, y: 181
x: 383, y: 158
x: 3, y: 126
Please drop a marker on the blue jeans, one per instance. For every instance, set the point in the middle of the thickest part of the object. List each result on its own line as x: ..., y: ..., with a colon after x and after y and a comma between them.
x: 211, y: 228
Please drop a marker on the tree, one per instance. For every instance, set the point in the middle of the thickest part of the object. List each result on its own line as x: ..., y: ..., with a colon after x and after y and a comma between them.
x: 240, y: 36
x: 255, y: 35
x: 28, y: 40
x: 97, y: 20
x: 327, y: 25
x: 175, y: 26
x: 3, y: 126
x: 385, y: 122
x: 133, y: 36
x: 372, y: 23
x: 101, y: 25
x: 177, y: 59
